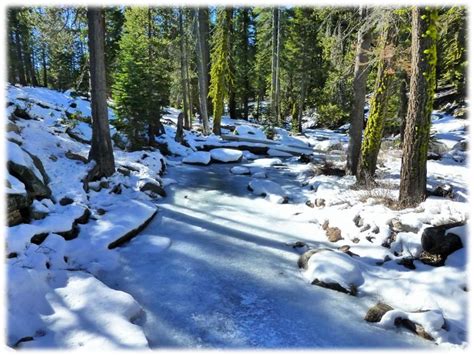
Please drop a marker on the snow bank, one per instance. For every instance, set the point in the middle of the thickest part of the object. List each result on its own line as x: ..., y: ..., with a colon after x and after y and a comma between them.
x: 69, y: 310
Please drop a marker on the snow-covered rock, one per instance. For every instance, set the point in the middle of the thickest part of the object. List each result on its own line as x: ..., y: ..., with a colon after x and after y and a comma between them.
x: 276, y: 153
x: 240, y: 170
x: 246, y: 130
x: 225, y: 155
x: 199, y: 157
x: 270, y: 190
x: 334, y: 267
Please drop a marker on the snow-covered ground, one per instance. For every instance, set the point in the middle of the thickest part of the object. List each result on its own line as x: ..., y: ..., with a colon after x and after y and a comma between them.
x: 217, y: 266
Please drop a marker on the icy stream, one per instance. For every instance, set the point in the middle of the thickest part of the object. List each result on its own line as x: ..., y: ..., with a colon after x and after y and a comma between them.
x: 228, y: 280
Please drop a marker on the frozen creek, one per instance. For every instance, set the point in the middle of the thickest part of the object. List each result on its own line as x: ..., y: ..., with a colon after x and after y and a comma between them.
x: 227, y: 280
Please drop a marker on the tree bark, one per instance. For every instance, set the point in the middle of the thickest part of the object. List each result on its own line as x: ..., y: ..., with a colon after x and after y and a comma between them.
x: 402, y: 112
x: 183, y: 70
x: 273, y: 98
x: 378, y: 108
x: 45, y: 67
x: 101, y: 146
x: 203, y: 70
x: 420, y: 105
x: 361, y: 73
x: 19, y: 54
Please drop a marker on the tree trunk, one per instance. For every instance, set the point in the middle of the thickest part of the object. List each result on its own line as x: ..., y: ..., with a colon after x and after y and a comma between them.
x: 232, y: 105
x: 19, y: 54
x: 45, y: 68
x: 378, y: 108
x: 183, y: 70
x: 101, y: 146
x: 203, y: 70
x: 277, y: 86
x: 179, y: 130
x: 273, y: 100
x: 189, y: 123
x: 402, y: 112
x: 361, y: 72
x: 420, y: 105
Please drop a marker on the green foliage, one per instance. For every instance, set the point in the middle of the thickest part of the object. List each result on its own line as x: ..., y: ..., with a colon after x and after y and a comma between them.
x: 141, y: 83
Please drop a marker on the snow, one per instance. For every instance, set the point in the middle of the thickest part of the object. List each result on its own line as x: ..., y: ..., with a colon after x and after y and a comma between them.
x: 15, y: 186
x: 268, y: 189
x: 213, y: 268
x: 19, y: 156
x: 225, y: 155
x: 199, y: 157
x: 240, y: 170
x: 250, y: 131
x: 56, y: 312
x: 275, y: 153
x: 334, y: 267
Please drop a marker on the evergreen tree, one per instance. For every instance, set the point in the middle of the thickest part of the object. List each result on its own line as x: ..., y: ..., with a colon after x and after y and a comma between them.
x: 378, y: 103
x: 141, y: 83
x: 221, y: 76
x: 101, y: 146
x: 420, y: 106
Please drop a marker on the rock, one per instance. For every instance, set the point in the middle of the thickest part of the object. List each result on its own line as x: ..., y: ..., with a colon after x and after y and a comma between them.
x: 376, y: 230
x: 124, y: 171
x: 437, y: 147
x: 325, y: 225
x: 320, y: 202
x: 95, y: 186
x: 101, y: 211
x: 117, y: 189
x: 309, y: 203
x: 407, y: 262
x: 22, y: 114
x: 153, y: 187
x: 53, y: 158
x: 18, y: 208
x: 356, y: 240
x: 296, y: 244
x: 461, y: 146
x: 104, y: 184
x: 433, y: 156
x: 66, y: 201
x: 84, y: 218
x: 225, y: 155
x: 304, y: 258
x: 35, y: 186
x: 304, y: 158
x: 69, y: 234
x: 240, y: 170
x: 76, y: 157
x: 77, y: 137
x: 370, y: 238
x: 375, y: 314
x: 437, y: 245
x: 199, y: 157
x: 336, y: 286
x: 443, y: 190
x: 398, y: 226
x: 365, y: 228
x: 333, y: 234
x: 357, y: 221
x: 38, y: 239
x: 12, y: 127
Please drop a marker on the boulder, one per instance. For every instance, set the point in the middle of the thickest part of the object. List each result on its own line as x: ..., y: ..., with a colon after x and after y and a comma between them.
x: 226, y: 155
x: 76, y: 157
x: 443, y: 190
x: 333, y: 234
x: 22, y: 166
x: 437, y: 147
x: 200, y: 157
x: 375, y: 314
x: 304, y: 258
x: 336, y: 286
x: 398, y: 226
x: 66, y: 201
x: 461, y: 146
x: 150, y: 186
x: 437, y: 245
